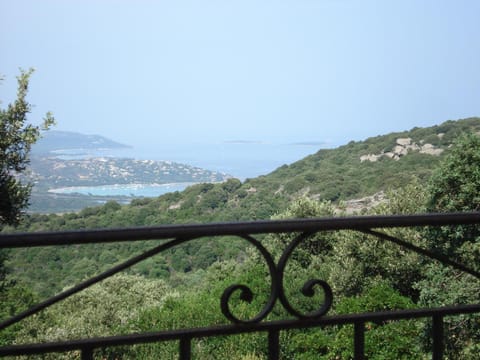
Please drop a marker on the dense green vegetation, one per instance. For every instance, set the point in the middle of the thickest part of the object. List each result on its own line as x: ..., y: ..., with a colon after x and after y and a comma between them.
x: 182, y: 288
x: 337, y: 174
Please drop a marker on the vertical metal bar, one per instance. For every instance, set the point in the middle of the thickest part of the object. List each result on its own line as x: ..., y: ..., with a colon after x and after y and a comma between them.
x: 359, y: 340
x: 185, y: 348
x: 87, y: 353
x: 437, y: 323
x: 273, y: 345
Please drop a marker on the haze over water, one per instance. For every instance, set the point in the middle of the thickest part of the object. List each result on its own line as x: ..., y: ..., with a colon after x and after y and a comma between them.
x: 239, y: 159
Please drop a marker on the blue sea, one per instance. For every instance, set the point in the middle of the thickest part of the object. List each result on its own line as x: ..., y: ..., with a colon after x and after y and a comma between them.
x: 241, y: 160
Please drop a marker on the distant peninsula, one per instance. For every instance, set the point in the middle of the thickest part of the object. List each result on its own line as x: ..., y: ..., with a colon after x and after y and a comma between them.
x: 68, y: 159
x: 56, y: 142
x: 51, y: 172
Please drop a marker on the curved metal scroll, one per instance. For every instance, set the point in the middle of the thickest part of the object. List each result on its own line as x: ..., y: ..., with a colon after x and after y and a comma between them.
x: 308, y: 288
x: 246, y: 293
x: 277, y: 288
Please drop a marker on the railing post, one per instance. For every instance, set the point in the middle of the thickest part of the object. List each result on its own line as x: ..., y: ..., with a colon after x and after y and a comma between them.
x: 273, y: 345
x: 437, y: 324
x: 87, y: 353
x: 185, y: 348
x: 359, y: 340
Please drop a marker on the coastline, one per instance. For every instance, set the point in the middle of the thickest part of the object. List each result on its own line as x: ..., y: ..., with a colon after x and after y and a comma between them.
x: 130, y: 190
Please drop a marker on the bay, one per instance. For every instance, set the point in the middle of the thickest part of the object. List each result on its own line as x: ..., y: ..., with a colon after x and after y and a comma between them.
x: 239, y: 159
x: 137, y: 190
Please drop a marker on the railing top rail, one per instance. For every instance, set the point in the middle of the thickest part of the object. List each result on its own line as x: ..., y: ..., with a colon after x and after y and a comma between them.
x: 16, y: 240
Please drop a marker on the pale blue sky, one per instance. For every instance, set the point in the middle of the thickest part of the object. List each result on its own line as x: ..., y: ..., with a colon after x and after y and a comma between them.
x: 277, y: 71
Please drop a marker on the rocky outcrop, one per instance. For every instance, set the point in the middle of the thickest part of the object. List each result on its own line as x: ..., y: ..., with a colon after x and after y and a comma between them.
x: 430, y: 149
x: 403, y: 147
x: 356, y: 206
x: 370, y: 157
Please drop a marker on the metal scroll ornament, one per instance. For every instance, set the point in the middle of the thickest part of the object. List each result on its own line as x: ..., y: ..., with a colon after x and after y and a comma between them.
x: 277, y: 289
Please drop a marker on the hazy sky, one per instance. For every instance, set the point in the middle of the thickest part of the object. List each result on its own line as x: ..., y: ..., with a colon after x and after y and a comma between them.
x: 280, y: 71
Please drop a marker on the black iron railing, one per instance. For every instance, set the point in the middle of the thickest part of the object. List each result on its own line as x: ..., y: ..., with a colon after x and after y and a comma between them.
x: 179, y: 234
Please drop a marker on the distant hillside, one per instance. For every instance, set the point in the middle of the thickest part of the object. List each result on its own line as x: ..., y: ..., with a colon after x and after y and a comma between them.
x: 57, y: 141
x: 365, y: 167
x: 356, y: 170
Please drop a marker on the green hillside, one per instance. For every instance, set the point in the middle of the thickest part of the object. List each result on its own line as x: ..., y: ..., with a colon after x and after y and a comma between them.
x: 340, y: 174
x: 167, y: 291
x: 329, y: 175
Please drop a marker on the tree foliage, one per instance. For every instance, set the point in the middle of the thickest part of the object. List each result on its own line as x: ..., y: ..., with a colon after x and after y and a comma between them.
x: 16, y: 139
x: 455, y: 187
